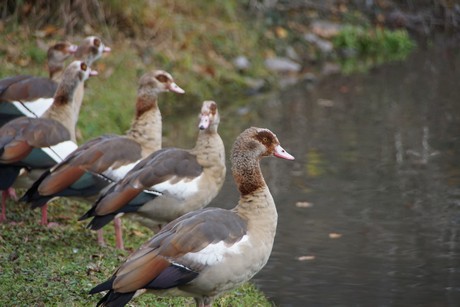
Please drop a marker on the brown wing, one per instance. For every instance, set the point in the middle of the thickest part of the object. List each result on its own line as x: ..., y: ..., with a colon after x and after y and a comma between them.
x: 169, y: 163
x: 18, y: 137
x: 96, y: 156
x: 147, y: 267
x: 26, y: 88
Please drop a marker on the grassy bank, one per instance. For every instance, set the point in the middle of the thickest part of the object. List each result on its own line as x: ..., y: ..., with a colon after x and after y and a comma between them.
x: 57, y: 266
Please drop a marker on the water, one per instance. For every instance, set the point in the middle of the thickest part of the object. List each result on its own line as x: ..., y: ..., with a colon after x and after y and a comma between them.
x: 378, y: 163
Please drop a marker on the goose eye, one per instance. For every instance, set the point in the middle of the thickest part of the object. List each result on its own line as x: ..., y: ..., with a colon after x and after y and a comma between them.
x: 265, y: 139
x: 97, y: 42
x: 83, y: 66
x: 162, y: 78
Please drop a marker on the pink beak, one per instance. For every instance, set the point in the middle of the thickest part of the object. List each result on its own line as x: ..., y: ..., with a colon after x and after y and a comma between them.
x: 107, y: 49
x: 93, y: 73
x: 73, y: 48
x: 173, y: 87
x: 204, y: 122
x: 281, y: 153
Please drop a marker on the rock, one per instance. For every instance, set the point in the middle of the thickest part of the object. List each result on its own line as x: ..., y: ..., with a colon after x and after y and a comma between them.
x: 254, y: 85
x: 330, y: 68
x: 241, y: 62
x: 282, y: 65
x: 325, y: 29
x: 292, y: 54
x: 323, y: 45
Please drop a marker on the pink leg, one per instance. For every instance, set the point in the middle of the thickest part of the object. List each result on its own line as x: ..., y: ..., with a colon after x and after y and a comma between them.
x: 44, y: 220
x: 118, y: 233
x: 11, y: 192
x: 100, y: 238
x: 3, y: 214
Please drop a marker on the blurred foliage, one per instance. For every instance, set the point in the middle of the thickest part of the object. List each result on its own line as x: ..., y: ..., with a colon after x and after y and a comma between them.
x: 315, y: 165
x: 195, y: 41
x: 198, y: 39
x: 365, y: 42
x: 362, y: 48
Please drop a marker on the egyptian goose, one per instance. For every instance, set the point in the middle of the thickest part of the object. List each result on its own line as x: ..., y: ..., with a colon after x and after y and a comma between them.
x: 91, y: 49
x: 187, y: 180
x: 108, y: 156
x: 23, y: 95
x: 35, y: 144
x: 209, y: 251
x: 32, y: 96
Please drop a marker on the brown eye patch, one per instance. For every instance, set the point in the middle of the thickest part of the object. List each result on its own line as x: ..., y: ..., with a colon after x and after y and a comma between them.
x: 97, y: 42
x: 60, y: 47
x: 162, y: 78
x: 83, y: 66
x: 265, y: 138
x: 213, y: 108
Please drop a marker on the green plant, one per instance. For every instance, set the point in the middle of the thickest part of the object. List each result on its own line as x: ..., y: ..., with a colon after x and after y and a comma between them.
x: 366, y: 47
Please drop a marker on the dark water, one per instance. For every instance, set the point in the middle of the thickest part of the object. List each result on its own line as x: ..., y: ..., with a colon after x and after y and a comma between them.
x: 378, y: 160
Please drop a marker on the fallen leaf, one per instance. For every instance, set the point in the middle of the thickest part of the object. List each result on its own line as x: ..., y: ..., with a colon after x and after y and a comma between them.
x: 281, y: 32
x: 325, y: 102
x: 306, y: 258
x: 303, y: 204
x: 138, y: 233
x: 334, y: 235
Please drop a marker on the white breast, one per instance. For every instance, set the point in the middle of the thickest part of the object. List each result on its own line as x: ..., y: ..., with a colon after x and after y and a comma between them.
x: 215, y: 253
x: 179, y: 189
x: 119, y: 173
x: 34, y: 108
x: 60, y: 151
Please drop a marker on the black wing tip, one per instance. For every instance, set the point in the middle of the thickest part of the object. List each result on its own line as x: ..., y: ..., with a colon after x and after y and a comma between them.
x: 100, y: 221
x: 39, y: 202
x: 115, y: 299
x: 85, y: 216
x: 111, y: 298
x: 104, y: 286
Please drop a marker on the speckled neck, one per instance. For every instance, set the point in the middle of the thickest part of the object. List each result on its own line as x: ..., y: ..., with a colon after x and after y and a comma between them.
x: 246, y: 171
x: 146, y: 129
x: 66, y: 105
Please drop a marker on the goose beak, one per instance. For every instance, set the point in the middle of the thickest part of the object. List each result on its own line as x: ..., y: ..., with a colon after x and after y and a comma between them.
x: 73, y: 48
x: 281, y: 153
x: 173, y: 87
x: 93, y: 73
x: 106, y: 49
x: 204, y: 122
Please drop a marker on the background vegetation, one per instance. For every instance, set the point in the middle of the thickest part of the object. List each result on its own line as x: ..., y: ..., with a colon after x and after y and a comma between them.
x: 196, y: 41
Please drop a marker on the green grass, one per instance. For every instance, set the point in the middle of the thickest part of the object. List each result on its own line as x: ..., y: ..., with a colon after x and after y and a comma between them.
x: 58, y: 266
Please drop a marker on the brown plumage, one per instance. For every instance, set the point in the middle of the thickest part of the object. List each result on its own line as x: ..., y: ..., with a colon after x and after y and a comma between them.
x: 210, y: 251
x: 20, y: 137
x: 27, y: 88
x: 187, y: 180
x: 110, y: 156
x: 31, y: 96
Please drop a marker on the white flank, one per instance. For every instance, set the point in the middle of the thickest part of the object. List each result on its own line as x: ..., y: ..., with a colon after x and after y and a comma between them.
x: 120, y: 172
x: 215, y: 253
x: 34, y: 108
x: 179, y: 189
x: 60, y: 151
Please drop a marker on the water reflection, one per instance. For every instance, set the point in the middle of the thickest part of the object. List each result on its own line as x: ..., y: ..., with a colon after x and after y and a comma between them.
x: 377, y: 156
